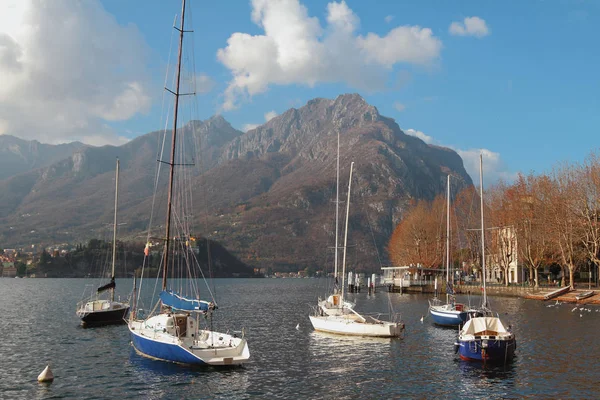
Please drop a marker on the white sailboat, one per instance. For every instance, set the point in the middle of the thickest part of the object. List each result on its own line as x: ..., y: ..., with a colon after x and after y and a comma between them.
x: 172, y: 331
x: 96, y: 310
x: 336, y: 315
x: 450, y: 313
x: 484, y: 337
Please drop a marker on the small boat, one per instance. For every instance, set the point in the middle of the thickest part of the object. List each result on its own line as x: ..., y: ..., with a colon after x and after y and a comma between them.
x: 96, y: 310
x: 179, y: 328
x: 451, y: 313
x: 557, y: 292
x: 584, y: 295
x: 336, y: 315
x: 484, y: 337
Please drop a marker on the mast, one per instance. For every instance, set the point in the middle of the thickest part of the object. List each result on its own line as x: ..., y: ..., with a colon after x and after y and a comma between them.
x: 172, y: 163
x: 447, y: 238
x: 484, y: 304
x: 346, y: 233
x: 337, y: 203
x: 114, y: 246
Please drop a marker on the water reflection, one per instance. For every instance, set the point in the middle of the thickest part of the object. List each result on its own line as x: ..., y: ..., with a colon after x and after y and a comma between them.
x: 159, y: 379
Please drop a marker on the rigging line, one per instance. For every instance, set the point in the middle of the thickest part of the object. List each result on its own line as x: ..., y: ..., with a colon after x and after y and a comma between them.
x: 159, y: 156
x: 197, y: 141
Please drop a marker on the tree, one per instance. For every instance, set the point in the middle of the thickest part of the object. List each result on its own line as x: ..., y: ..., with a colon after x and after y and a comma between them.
x: 531, y: 221
x: 564, y: 220
x: 467, y: 224
x: 503, y: 203
x: 45, y: 257
x: 418, y: 238
x: 21, y: 268
x: 588, y: 207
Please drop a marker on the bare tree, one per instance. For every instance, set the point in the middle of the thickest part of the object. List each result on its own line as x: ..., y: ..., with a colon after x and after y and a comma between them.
x: 531, y: 221
x: 503, y: 202
x: 588, y: 207
x: 564, y: 220
x: 466, y: 217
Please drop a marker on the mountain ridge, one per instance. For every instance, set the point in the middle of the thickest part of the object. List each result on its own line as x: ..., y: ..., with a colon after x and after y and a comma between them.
x: 268, y: 191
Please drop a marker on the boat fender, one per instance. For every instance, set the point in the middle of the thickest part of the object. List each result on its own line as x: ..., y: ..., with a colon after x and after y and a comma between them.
x: 456, y: 346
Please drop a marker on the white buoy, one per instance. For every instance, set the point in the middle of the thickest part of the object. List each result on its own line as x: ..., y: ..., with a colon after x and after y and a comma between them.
x: 298, y: 326
x: 421, y: 319
x: 46, y: 375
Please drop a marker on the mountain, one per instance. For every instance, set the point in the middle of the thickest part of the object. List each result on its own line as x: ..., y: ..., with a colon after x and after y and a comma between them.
x: 267, y: 194
x: 18, y: 155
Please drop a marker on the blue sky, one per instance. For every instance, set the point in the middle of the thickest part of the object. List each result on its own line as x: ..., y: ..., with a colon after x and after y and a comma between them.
x: 517, y: 80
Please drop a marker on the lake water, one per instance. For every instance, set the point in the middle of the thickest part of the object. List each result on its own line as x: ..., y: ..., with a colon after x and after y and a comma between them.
x: 556, y: 356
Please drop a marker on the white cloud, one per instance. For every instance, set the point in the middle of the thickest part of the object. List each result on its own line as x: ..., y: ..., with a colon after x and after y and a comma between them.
x: 493, y: 166
x: 388, y: 18
x: 249, y: 127
x: 295, y: 49
x: 204, y: 83
x: 471, y: 26
x: 420, y: 135
x: 270, y: 115
x: 399, y: 106
x: 66, y: 69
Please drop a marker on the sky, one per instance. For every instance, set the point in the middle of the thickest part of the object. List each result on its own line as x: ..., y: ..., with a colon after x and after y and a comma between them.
x: 515, y: 80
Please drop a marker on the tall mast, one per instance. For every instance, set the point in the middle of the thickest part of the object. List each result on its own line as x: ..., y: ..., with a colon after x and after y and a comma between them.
x: 337, y: 203
x: 346, y: 233
x: 447, y: 237
x: 114, y: 244
x: 172, y: 163
x: 482, y: 228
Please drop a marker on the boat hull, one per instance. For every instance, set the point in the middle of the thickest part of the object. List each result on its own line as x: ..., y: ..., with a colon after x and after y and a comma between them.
x: 162, y: 346
x: 103, y: 317
x: 447, y: 317
x: 487, y: 350
x: 350, y: 327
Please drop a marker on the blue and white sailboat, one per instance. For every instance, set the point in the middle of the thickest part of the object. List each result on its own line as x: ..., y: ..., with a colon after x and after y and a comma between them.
x: 484, y: 337
x: 172, y: 331
x: 451, y: 313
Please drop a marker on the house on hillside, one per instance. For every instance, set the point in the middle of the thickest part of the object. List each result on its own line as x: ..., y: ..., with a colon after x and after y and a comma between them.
x: 8, y: 269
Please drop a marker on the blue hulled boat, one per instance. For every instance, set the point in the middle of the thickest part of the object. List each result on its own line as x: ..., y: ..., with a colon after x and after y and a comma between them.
x: 484, y: 337
x: 179, y: 327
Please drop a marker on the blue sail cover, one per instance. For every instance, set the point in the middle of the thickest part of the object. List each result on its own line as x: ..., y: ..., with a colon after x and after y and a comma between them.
x: 177, y: 302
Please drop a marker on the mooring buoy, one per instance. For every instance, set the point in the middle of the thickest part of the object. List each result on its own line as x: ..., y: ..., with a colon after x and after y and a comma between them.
x: 46, y: 375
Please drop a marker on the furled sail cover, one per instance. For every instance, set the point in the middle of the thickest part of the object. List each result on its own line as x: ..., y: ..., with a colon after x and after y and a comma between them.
x: 110, y: 285
x: 173, y: 300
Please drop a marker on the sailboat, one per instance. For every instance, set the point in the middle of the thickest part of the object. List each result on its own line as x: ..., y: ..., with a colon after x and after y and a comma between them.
x: 172, y: 331
x: 96, y: 310
x: 450, y: 313
x: 336, y: 315
x: 484, y: 337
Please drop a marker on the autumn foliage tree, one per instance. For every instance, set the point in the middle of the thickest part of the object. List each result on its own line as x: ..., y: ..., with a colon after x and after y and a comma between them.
x: 537, y: 221
x: 419, y: 237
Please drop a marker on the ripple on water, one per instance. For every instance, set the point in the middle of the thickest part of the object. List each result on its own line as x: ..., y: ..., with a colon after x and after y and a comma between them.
x: 555, y: 357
